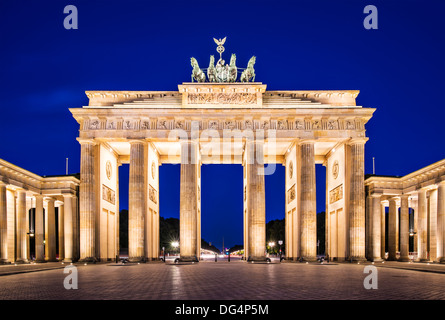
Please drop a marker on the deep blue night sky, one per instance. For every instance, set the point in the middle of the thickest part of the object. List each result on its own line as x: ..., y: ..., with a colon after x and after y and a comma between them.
x: 147, y: 45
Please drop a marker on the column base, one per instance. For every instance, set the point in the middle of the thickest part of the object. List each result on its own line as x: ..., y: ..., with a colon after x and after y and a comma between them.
x: 257, y: 259
x: 22, y: 261
x: 307, y: 259
x: 40, y: 261
x: 442, y: 260
x: 377, y: 260
x: 67, y: 260
x: 88, y: 260
x: 404, y: 259
x: 188, y: 259
x: 4, y: 261
x: 137, y: 259
x: 357, y: 259
x: 424, y: 260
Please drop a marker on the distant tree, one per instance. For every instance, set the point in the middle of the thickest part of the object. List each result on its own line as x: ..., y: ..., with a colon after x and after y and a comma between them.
x: 168, y: 233
x: 321, y: 232
x: 275, y: 231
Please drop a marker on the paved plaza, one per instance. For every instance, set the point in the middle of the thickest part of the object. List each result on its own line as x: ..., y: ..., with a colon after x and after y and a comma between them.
x: 222, y: 280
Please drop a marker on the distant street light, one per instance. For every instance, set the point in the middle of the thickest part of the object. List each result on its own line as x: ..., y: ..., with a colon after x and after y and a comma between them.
x: 271, y: 245
x: 280, y: 242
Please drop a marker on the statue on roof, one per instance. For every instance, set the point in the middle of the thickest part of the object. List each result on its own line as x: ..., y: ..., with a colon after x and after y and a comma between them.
x: 222, y: 72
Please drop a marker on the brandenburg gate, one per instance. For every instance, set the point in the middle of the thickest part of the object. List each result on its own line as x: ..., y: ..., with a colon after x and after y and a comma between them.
x: 218, y: 120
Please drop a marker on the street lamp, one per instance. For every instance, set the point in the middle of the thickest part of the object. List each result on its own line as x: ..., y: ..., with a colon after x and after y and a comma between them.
x: 271, y: 245
x: 280, y: 242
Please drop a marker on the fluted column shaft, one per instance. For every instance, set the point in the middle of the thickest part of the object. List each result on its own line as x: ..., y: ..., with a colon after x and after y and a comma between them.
x: 422, y: 222
x: 392, y: 225
x: 256, y: 203
x: 357, y: 202
x: 441, y: 222
x: 136, y: 202
x: 404, y: 228
x: 61, y: 213
x: 3, y: 225
x: 39, y: 234
x: 188, y: 202
x: 51, y: 241
x: 308, y: 203
x: 87, y: 203
x: 68, y: 228
x: 21, y: 227
x: 376, y: 228
x: 383, y: 231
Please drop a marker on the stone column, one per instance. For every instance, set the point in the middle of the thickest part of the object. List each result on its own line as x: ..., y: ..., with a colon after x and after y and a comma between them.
x: 376, y: 228
x: 87, y: 202
x: 383, y: 231
x: 136, y: 202
x: 441, y: 222
x: 3, y: 225
x: 39, y: 234
x: 68, y: 228
x: 357, y: 201
x: 422, y: 222
x: 433, y: 225
x: 51, y: 241
x: 61, y: 212
x: 308, y: 203
x: 392, y: 234
x: 21, y: 232
x: 416, y: 217
x: 76, y: 228
x: 404, y: 228
x: 188, y: 201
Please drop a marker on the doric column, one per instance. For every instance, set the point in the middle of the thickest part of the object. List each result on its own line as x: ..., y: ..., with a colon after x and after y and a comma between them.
x: 376, y: 228
x: 404, y: 228
x: 357, y: 201
x: 76, y: 228
x: 68, y: 228
x: 61, y: 213
x: 441, y: 222
x: 383, y: 231
x: 39, y: 234
x: 21, y: 227
x: 308, y: 203
x: 136, y: 202
x: 432, y: 225
x: 422, y: 231
x: 392, y: 223
x: 188, y: 201
x: 3, y: 225
x: 87, y: 202
x: 416, y: 218
x: 51, y: 241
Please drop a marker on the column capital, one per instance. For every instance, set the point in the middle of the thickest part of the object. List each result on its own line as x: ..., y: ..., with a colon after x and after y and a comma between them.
x: 49, y: 199
x: 87, y: 141
x: 306, y: 141
x: 404, y: 196
x: 135, y: 141
x: 355, y: 141
x: 3, y: 184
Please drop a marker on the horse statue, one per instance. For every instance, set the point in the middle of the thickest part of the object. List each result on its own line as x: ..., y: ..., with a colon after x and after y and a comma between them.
x: 249, y: 73
x: 233, y: 71
x: 211, y: 71
x: 197, y: 73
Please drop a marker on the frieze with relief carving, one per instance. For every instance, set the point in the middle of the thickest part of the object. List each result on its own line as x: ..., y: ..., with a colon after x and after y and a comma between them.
x: 222, y: 98
x: 152, y: 194
x: 108, y: 194
x: 336, y: 194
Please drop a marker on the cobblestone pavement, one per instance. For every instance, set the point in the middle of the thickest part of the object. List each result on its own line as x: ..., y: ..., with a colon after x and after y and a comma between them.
x: 223, y: 280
